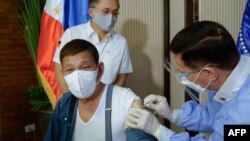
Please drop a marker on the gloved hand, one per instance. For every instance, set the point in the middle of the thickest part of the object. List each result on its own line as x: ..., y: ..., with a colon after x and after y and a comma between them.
x: 143, y: 120
x: 160, y: 105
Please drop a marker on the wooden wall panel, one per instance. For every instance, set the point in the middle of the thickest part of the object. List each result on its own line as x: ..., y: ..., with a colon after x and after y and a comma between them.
x: 16, y: 75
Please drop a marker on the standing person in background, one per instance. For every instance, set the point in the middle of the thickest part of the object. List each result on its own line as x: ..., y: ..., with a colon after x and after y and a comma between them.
x: 111, y: 46
x: 207, y: 61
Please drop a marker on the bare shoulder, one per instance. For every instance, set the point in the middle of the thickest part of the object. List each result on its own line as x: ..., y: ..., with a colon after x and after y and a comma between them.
x: 136, y: 104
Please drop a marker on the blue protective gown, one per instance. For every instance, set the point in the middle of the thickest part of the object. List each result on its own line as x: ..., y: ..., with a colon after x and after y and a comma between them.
x: 229, y: 105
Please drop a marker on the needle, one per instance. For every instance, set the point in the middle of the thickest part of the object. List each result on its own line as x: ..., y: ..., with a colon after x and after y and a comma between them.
x: 154, y: 102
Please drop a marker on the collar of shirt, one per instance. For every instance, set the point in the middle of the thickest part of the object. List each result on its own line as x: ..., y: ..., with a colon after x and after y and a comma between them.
x: 91, y: 32
x: 235, y: 80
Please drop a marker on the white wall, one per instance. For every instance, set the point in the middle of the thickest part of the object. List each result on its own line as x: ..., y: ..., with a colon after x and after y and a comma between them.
x: 176, y: 24
x: 227, y: 12
x: 142, y: 24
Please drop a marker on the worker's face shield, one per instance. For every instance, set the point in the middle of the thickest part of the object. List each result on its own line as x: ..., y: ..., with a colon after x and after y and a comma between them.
x: 180, y: 77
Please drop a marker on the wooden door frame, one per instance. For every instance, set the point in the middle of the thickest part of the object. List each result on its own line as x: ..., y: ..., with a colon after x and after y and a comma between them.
x: 166, y: 39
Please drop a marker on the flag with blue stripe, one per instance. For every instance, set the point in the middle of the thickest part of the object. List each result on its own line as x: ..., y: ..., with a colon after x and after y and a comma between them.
x: 243, y: 43
x: 75, y: 12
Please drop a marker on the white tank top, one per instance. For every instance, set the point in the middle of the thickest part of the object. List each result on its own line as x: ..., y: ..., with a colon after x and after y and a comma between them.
x: 94, y: 129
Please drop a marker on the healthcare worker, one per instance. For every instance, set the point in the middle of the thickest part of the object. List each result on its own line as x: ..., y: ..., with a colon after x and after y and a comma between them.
x: 206, y: 60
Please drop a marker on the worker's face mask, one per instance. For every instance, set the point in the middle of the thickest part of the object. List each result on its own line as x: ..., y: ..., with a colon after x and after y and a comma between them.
x: 105, y: 22
x: 81, y: 83
x: 184, y: 82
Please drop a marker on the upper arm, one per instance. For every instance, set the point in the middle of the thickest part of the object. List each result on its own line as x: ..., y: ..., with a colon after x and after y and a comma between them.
x: 137, y: 134
x: 137, y: 104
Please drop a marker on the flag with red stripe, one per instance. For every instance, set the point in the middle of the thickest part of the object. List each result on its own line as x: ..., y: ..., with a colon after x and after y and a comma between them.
x: 58, y: 15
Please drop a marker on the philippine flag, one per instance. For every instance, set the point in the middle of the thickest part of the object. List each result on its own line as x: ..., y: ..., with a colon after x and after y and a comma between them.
x: 58, y: 15
x: 243, y: 43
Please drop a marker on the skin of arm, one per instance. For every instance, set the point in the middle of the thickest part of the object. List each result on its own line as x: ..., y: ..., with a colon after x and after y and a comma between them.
x: 121, y: 80
x: 135, y: 104
x: 59, y: 78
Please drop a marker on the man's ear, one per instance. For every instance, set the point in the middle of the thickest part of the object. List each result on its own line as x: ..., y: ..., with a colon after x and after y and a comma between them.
x: 100, y: 69
x: 211, y: 73
x: 91, y: 13
x: 60, y: 67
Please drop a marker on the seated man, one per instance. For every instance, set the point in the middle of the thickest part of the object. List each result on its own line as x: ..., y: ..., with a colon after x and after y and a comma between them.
x: 90, y: 112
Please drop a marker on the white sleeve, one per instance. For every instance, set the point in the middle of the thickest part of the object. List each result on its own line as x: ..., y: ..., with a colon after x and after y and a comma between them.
x: 66, y: 37
x: 56, y: 57
x: 123, y: 97
x: 126, y: 65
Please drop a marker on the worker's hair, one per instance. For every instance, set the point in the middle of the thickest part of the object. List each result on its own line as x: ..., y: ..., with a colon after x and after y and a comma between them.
x: 206, y: 42
x: 92, y: 3
x: 76, y: 46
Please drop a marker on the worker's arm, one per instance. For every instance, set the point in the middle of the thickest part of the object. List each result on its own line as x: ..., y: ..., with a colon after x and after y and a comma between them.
x: 59, y: 78
x: 121, y: 79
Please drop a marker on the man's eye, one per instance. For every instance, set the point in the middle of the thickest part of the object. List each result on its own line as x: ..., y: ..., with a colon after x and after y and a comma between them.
x: 105, y: 12
x: 69, y: 70
x: 115, y: 13
x: 85, y: 68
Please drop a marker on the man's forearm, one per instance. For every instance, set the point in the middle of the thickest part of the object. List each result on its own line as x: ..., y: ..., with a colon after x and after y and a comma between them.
x: 121, y: 80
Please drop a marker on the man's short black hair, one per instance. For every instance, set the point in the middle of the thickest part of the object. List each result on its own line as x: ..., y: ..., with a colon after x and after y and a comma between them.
x: 78, y: 45
x: 92, y: 3
x: 206, y: 42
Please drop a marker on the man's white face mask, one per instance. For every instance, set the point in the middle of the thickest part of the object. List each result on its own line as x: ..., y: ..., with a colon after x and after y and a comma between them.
x: 81, y: 83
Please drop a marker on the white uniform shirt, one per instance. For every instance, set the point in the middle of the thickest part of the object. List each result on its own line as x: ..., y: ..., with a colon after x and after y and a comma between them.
x: 113, y: 50
x: 94, y: 129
